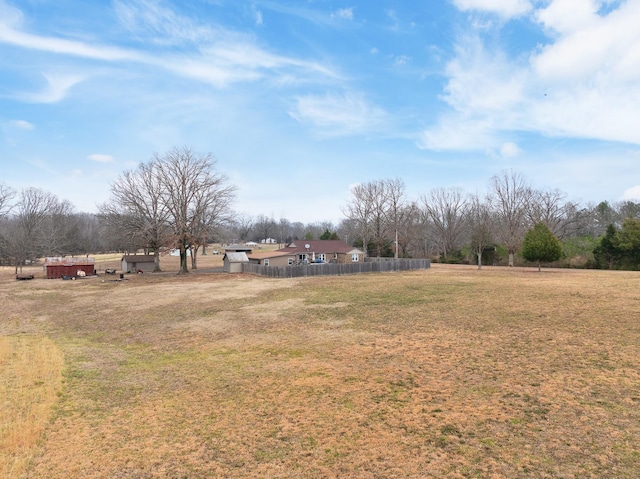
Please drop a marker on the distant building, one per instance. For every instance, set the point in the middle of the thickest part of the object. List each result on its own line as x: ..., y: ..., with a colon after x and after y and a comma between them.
x: 323, y: 251
x: 59, y: 267
x: 134, y: 263
x: 232, y: 262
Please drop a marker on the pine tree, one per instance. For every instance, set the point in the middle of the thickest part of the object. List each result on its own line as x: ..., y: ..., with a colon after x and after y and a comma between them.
x: 541, y: 245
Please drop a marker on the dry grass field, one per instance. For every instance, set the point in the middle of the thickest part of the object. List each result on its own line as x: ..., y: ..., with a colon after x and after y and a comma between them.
x: 450, y: 372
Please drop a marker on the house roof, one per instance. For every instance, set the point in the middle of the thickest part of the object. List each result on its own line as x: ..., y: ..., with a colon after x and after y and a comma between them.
x: 138, y: 258
x: 319, y: 246
x: 236, y: 257
x: 268, y: 254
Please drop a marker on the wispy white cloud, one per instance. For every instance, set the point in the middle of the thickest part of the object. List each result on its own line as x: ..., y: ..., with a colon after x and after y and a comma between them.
x: 22, y: 124
x: 219, y: 57
x: 56, y: 89
x: 343, y: 13
x: 11, y: 16
x: 151, y: 19
x: 585, y: 83
x: 257, y: 16
x: 401, y: 60
x: 338, y: 114
x: 100, y: 158
x: 510, y: 150
x: 454, y: 132
x: 503, y: 8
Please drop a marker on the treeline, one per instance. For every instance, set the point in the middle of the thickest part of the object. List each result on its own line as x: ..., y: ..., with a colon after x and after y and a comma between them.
x: 179, y: 200
x: 450, y: 225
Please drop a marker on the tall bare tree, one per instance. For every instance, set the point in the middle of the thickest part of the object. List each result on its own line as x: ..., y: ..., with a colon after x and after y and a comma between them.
x: 511, y: 198
x: 481, y: 222
x: 136, y: 207
x: 409, y: 227
x: 25, y: 239
x: 194, y: 194
x: 359, y: 211
x: 552, y: 208
x: 394, y: 210
x: 446, y: 210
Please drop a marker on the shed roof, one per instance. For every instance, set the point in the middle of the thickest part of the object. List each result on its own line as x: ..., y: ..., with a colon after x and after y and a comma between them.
x: 138, y: 258
x: 237, y: 247
x: 236, y: 257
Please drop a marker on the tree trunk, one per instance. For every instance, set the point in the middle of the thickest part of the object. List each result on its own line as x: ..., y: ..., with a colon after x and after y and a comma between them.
x: 156, y: 261
x: 194, y: 254
x: 479, y: 258
x: 183, y: 259
x: 510, y: 259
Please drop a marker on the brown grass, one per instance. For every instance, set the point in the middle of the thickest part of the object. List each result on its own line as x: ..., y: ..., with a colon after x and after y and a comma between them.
x: 30, y: 377
x: 450, y: 372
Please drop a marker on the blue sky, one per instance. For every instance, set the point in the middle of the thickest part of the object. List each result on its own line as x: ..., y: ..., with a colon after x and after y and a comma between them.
x: 300, y: 100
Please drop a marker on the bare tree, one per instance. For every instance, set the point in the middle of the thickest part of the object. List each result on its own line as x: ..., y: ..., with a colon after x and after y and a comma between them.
x: 359, y: 211
x: 481, y: 224
x: 193, y: 195
x: 242, y: 225
x: 409, y: 226
x: 445, y: 210
x: 59, y: 230
x: 552, y: 208
x: 264, y: 228
x: 24, y: 237
x: 395, y: 204
x: 6, y: 195
x: 136, y: 207
x: 511, y: 198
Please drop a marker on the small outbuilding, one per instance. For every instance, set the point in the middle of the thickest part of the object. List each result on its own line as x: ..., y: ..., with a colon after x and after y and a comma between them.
x: 232, y: 262
x: 69, y: 267
x: 134, y: 263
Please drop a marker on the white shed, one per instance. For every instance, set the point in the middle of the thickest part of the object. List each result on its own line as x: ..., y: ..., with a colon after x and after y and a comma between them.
x: 232, y: 262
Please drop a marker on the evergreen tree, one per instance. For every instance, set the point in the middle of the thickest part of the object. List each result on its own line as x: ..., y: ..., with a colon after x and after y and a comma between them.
x: 629, y: 244
x: 541, y: 245
x: 606, y: 253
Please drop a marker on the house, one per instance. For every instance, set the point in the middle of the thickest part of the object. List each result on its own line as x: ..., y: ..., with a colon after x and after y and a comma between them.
x: 323, y: 251
x: 133, y: 263
x: 272, y: 258
x: 268, y: 241
x: 232, y: 262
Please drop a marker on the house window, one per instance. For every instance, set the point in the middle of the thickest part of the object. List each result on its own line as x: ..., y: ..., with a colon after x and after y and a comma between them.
x: 302, y: 258
x: 266, y: 262
x: 321, y: 257
x: 354, y: 258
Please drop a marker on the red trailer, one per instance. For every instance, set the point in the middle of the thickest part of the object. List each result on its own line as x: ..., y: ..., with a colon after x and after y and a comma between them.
x: 69, y: 267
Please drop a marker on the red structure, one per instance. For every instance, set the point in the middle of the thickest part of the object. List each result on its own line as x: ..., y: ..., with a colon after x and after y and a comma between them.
x: 70, y: 267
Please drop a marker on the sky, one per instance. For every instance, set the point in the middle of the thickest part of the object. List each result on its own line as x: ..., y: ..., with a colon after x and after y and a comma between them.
x: 300, y: 100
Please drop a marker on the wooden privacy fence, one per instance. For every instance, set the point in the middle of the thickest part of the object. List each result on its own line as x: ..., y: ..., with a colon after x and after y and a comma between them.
x: 335, y: 269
